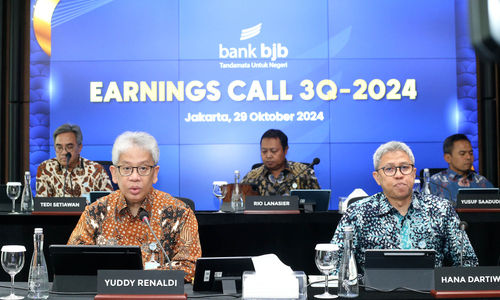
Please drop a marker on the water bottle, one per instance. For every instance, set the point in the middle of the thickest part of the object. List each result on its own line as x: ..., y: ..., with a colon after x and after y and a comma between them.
x: 426, y: 188
x: 236, y: 196
x: 27, y: 197
x: 38, y: 280
x: 348, y: 273
x: 416, y: 185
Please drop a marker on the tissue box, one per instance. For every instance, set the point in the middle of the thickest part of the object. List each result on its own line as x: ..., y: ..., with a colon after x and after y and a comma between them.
x: 262, y: 287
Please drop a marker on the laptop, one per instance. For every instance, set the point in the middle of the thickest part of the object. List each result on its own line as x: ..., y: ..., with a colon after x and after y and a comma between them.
x: 75, y: 266
x: 319, y: 199
x: 95, y: 195
x: 399, y: 269
x: 217, y: 273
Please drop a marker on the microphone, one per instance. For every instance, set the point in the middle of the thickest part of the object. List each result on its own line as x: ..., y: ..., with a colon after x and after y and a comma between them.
x: 310, y: 167
x: 68, y: 157
x: 144, y: 216
x: 462, y: 226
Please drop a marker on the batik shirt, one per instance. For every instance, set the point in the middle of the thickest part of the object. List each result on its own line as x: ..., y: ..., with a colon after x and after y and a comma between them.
x: 447, y: 183
x: 108, y: 221
x: 268, y: 185
x: 87, y: 176
x: 430, y: 223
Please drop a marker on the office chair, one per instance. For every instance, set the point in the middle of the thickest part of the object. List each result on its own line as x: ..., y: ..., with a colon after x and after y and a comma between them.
x: 432, y: 171
x: 106, y: 164
x: 188, y: 202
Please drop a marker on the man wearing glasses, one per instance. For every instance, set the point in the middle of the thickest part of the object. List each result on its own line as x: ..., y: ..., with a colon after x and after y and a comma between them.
x: 69, y: 174
x: 398, y: 218
x: 114, y: 219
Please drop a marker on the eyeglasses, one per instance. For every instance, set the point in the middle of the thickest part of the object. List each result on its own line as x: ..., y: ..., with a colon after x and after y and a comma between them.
x: 68, y: 148
x: 391, y: 171
x: 141, y: 170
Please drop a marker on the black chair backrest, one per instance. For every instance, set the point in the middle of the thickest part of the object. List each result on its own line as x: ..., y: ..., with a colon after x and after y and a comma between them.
x: 106, y: 164
x: 432, y: 171
x: 188, y: 201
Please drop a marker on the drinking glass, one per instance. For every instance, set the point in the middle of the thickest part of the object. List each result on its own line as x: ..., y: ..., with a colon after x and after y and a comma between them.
x: 342, y: 201
x: 220, y: 191
x: 12, y: 263
x: 326, y: 261
x: 13, y: 192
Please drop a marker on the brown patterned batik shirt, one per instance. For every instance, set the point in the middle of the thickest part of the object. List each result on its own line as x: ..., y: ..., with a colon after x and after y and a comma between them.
x: 108, y: 221
x: 268, y: 185
x: 87, y: 176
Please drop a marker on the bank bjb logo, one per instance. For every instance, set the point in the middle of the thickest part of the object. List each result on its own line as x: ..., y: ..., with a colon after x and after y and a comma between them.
x: 261, y: 51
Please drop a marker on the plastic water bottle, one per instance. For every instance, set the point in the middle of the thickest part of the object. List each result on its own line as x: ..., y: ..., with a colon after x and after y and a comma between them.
x: 236, y: 196
x: 426, y: 188
x: 416, y: 185
x: 27, y: 197
x: 348, y: 273
x: 38, y: 280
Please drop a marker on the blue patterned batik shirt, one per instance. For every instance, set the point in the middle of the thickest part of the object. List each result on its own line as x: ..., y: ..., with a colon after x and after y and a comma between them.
x: 446, y: 183
x: 430, y: 223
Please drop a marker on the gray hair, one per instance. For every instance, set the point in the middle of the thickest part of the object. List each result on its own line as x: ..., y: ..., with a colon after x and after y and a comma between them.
x: 69, y: 128
x: 391, y: 147
x: 140, y: 139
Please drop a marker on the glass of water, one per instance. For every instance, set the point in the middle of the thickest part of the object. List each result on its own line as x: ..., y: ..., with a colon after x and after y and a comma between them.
x: 326, y: 260
x: 12, y: 263
x: 220, y: 191
x: 13, y: 192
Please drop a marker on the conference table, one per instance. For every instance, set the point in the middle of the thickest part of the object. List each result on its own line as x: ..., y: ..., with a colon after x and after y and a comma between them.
x: 291, y: 237
x: 21, y: 290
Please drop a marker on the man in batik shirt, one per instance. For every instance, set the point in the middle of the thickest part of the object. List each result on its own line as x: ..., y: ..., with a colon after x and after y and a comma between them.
x: 398, y: 218
x: 277, y: 176
x: 459, y: 175
x: 58, y: 177
x: 113, y: 219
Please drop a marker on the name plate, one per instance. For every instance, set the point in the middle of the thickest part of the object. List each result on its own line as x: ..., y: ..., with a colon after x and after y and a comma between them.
x: 140, y: 282
x: 264, y: 203
x: 487, y: 198
x: 467, y: 279
x: 59, y: 204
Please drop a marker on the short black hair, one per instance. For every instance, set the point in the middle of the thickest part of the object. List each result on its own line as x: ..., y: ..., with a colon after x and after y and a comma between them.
x: 449, y: 141
x: 276, y: 133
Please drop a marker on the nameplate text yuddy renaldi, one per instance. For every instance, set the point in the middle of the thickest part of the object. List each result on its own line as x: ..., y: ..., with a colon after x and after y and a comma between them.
x: 140, y: 282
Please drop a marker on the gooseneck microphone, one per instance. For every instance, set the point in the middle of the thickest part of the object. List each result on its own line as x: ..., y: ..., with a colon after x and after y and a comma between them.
x: 144, y: 216
x: 462, y: 226
x: 68, y: 157
x: 309, y: 168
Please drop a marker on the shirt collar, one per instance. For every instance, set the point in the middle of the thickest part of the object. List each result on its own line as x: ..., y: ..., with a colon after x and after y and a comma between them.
x: 78, y: 166
x: 455, y: 176
x: 285, y: 171
x: 384, y: 207
x: 146, y: 205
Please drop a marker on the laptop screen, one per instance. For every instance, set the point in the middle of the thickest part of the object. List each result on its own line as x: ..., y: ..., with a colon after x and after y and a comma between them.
x: 75, y: 266
x: 319, y: 198
x: 95, y: 195
x: 211, y: 271
x: 399, y: 269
